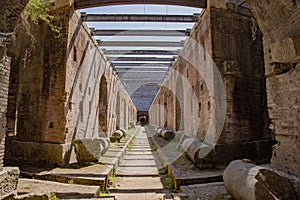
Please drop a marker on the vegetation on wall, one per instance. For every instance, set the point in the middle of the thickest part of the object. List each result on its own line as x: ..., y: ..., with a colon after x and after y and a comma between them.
x: 38, y: 10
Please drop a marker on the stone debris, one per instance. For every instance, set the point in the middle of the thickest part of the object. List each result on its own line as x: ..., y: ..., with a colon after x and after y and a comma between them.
x: 250, y: 182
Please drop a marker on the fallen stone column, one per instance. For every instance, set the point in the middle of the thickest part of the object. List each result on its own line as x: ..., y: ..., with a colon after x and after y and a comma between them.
x: 159, y: 130
x: 117, y: 135
x: 124, y: 132
x: 195, y: 149
x: 250, y: 182
x: 167, y: 134
x: 91, y: 149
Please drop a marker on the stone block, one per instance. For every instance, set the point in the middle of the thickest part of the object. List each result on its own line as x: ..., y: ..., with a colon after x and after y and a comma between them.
x: 8, y: 181
x: 37, y: 153
x: 250, y: 182
x: 90, y: 150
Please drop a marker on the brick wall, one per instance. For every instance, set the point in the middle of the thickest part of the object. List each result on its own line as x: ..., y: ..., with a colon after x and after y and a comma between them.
x: 37, y: 82
x: 4, y: 82
x: 55, y: 90
x: 188, y: 100
x: 279, y: 22
x: 10, y: 14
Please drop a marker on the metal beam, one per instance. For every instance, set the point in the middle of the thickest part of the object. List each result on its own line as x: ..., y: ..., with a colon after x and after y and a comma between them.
x: 152, y: 59
x: 138, y: 71
x: 80, y: 4
x: 139, y: 18
x: 141, y: 43
x: 168, y: 33
x: 142, y: 64
x: 130, y: 74
x: 141, y: 52
x: 142, y: 68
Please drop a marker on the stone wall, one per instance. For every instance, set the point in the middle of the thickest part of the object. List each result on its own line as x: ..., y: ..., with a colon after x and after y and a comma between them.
x: 10, y: 14
x: 229, y: 46
x: 279, y: 22
x: 11, y: 11
x: 57, y: 91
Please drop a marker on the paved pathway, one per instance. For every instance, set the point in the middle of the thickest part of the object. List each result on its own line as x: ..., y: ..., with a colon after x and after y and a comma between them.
x: 137, y: 176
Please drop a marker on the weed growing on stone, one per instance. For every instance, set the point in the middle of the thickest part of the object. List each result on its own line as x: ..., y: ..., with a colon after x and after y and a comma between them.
x: 192, y: 167
x: 38, y: 10
x: 170, y: 182
x: 104, y: 193
x: 111, y: 177
x: 89, y: 164
x: 71, y: 181
x: 130, y: 146
x: 53, y: 196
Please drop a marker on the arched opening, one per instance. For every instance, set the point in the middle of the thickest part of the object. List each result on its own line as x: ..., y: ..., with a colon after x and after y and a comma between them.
x: 124, y: 114
x: 179, y: 105
x: 118, y: 117
x: 103, y: 107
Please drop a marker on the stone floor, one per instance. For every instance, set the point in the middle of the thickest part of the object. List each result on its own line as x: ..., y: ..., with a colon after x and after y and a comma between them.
x: 131, y: 169
x: 137, y: 176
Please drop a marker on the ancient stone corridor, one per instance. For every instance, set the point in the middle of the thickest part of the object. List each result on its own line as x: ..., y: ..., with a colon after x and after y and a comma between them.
x: 170, y: 100
x: 137, y: 176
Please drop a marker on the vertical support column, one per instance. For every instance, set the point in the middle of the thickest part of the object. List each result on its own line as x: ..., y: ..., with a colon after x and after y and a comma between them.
x: 4, y: 84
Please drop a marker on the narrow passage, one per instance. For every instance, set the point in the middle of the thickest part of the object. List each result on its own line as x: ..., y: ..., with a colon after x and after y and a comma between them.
x: 137, y: 176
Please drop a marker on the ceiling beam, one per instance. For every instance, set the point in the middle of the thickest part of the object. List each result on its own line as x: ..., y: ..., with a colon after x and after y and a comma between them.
x: 141, y: 52
x: 141, y: 43
x: 168, y: 33
x: 141, y: 64
x: 152, y: 59
x: 139, y: 18
x: 80, y: 4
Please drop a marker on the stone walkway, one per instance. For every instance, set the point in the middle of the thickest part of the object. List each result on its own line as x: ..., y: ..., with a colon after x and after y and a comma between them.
x: 137, y: 176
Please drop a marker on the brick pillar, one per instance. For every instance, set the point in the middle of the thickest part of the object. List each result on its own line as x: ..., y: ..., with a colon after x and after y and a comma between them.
x: 4, y: 83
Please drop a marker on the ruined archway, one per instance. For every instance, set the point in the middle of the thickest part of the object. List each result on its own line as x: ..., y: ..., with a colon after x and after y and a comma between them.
x: 103, y: 107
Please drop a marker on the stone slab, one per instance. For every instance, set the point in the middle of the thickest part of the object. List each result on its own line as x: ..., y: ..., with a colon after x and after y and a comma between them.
x: 207, y: 191
x: 137, y: 171
x: 61, y: 190
x: 91, y: 175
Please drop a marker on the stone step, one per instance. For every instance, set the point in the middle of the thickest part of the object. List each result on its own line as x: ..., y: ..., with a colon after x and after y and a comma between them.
x: 139, y: 153
x: 138, y: 157
x: 60, y: 190
x: 140, y: 171
x: 91, y: 175
x: 203, y: 191
x: 138, y: 163
x: 137, y: 183
x: 181, y: 177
